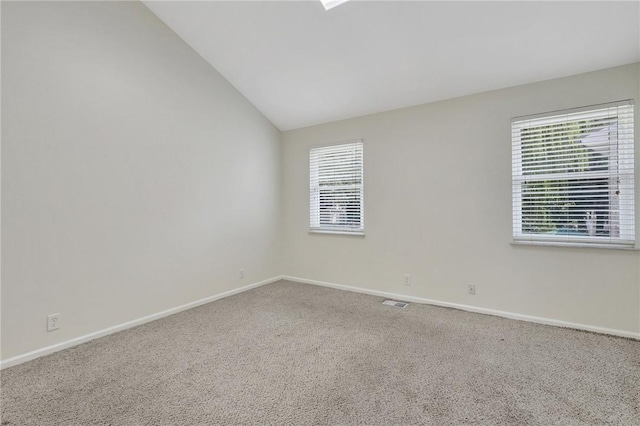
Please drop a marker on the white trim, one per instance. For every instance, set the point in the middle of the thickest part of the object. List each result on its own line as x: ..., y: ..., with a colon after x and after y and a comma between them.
x: 326, y: 231
x: 469, y: 308
x: 574, y: 110
x: 611, y: 183
x: 316, y: 154
x: 332, y: 144
x: 19, y: 359
x: 569, y: 244
x: 28, y: 356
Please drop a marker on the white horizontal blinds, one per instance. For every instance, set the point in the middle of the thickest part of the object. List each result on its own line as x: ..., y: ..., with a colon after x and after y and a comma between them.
x: 573, y: 176
x: 336, y: 187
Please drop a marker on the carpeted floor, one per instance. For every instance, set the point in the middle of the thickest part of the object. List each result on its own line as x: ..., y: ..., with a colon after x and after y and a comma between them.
x: 298, y: 354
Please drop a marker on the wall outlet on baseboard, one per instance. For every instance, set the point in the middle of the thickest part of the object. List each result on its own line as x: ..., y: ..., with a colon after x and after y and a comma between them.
x: 53, y: 322
x: 241, y: 274
x: 472, y: 289
x: 407, y: 279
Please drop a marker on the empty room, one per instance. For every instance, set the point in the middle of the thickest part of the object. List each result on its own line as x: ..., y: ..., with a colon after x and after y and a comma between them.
x: 320, y: 213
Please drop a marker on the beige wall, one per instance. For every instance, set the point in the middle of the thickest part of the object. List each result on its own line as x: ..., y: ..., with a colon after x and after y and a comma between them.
x: 134, y: 177
x: 438, y: 207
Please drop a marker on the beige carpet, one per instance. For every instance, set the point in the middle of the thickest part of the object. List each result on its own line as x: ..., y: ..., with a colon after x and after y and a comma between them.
x: 297, y: 354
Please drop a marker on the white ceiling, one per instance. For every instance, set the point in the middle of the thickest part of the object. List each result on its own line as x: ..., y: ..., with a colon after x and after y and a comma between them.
x: 301, y: 65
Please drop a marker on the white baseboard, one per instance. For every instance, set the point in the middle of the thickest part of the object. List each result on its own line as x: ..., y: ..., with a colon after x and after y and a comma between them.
x: 504, y: 314
x: 19, y: 359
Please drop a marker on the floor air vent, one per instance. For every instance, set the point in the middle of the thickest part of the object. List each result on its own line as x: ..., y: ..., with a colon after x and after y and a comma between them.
x: 395, y: 303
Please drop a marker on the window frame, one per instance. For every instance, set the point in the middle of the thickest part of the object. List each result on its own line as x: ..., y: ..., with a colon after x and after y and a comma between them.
x: 627, y: 238
x: 337, y: 230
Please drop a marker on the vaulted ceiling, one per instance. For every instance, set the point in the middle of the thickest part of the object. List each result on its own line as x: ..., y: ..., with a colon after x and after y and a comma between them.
x: 301, y: 65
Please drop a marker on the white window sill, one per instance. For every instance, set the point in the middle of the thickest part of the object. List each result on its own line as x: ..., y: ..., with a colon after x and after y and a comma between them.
x: 573, y: 244
x: 337, y: 232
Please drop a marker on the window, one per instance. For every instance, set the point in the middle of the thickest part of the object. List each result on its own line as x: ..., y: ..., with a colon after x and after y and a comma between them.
x: 573, y: 177
x: 336, y: 188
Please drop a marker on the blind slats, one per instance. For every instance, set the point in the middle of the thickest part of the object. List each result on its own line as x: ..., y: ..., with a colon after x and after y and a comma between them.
x: 573, y: 176
x: 336, y: 188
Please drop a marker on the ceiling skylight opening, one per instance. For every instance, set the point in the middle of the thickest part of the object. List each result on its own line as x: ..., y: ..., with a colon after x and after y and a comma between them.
x: 329, y: 4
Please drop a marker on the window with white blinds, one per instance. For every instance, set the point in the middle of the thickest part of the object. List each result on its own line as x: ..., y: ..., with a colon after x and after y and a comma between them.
x: 573, y: 177
x: 336, y: 188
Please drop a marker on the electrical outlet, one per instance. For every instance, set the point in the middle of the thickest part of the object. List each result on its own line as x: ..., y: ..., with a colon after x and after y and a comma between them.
x: 407, y: 279
x: 241, y: 274
x: 472, y: 289
x: 53, y: 322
